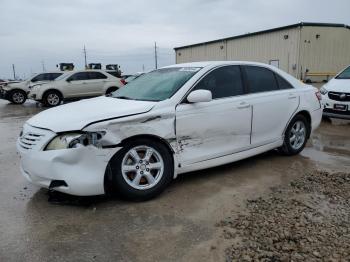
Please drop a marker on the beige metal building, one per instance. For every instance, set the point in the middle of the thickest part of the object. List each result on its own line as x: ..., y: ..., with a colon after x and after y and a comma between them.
x: 305, y: 50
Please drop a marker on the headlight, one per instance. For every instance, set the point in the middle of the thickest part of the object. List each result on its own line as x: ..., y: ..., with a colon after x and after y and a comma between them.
x: 75, y: 140
x: 323, y: 91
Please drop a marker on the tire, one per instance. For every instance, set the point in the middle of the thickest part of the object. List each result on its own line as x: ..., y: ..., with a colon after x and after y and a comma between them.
x: 52, y: 98
x: 296, y: 136
x: 111, y: 89
x: 17, y: 97
x: 129, y: 175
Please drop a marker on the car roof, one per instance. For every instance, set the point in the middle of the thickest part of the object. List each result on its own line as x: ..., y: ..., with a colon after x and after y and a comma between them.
x: 217, y: 63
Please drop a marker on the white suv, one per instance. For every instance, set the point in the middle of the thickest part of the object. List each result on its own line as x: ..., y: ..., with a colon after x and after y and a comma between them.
x: 73, y: 85
x: 336, y: 96
x: 16, y: 92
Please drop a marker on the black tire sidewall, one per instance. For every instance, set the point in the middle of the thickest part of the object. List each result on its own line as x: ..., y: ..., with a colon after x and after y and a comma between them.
x: 122, y: 188
x: 18, y: 91
x: 287, y: 148
x: 46, y: 103
x: 111, y: 90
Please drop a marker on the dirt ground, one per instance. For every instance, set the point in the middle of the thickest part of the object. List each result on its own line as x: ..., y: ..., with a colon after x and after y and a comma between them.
x: 179, y: 225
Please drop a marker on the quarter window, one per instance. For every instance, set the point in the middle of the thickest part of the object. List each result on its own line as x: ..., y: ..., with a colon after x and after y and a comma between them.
x: 260, y: 79
x: 223, y: 82
x: 282, y: 83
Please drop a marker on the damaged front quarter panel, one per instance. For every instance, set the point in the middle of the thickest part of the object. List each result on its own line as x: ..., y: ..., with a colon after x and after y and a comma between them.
x: 154, y: 123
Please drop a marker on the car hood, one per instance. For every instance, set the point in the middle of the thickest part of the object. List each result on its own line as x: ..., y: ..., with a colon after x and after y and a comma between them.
x: 338, y: 85
x: 75, y: 116
x: 21, y: 85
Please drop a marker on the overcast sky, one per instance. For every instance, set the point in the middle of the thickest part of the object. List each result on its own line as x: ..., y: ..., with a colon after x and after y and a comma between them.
x: 33, y: 32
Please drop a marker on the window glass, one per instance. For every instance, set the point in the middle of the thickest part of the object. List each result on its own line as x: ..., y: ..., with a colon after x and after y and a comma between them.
x: 157, y: 85
x: 223, y: 82
x: 260, y: 79
x: 53, y: 76
x: 345, y: 74
x: 96, y: 75
x: 79, y: 76
x: 40, y: 77
x: 282, y: 83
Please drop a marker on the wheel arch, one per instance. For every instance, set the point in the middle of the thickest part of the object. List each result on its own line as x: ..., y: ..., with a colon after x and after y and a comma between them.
x: 108, y: 174
x: 52, y: 89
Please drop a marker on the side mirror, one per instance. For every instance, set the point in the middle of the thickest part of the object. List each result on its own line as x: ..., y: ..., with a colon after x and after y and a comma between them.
x: 199, y: 95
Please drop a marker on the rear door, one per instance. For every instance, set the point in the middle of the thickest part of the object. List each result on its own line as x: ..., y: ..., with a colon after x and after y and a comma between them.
x: 273, y: 100
x: 77, y: 85
x: 220, y: 127
x: 96, y: 83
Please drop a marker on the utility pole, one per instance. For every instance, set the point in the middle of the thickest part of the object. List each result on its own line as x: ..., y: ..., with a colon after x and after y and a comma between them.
x: 143, y: 67
x: 155, y: 55
x: 14, y: 71
x: 84, y: 50
x: 43, y: 65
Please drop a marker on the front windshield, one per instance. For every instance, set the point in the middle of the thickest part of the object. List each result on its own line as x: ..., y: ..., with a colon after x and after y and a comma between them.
x: 157, y: 85
x: 345, y: 74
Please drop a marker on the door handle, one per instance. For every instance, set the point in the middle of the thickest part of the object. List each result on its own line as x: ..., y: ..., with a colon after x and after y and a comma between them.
x: 243, y: 105
x: 292, y: 96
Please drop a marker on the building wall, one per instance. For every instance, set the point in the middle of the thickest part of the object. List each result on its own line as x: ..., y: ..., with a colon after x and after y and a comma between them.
x: 327, y: 54
x: 260, y: 48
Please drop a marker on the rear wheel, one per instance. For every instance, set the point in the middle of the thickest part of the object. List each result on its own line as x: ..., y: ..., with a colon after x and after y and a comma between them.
x: 141, y: 170
x: 18, y: 97
x: 52, y: 98
x: 296, y: 136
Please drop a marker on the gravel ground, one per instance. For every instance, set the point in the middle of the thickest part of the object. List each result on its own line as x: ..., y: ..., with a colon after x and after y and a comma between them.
x: 306, y: 220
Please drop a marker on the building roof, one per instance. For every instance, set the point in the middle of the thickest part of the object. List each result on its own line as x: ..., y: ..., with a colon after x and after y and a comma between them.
x: 301, y: 24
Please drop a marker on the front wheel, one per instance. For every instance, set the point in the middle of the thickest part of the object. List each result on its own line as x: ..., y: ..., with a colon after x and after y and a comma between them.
x: 296, y: 136
x: 52, y: 98
x: 141, y: 170
x: 18, y: 97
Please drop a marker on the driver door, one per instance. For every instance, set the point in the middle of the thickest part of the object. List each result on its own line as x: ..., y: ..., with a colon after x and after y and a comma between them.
x: 207, y: 130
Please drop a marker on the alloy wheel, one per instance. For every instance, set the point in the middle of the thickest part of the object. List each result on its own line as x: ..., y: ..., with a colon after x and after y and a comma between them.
x: 142, y: 167
x: 297, y: 135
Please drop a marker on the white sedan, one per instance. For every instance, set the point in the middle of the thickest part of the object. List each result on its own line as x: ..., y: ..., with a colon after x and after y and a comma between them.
x: 170, y: 121
x: 336, y: 96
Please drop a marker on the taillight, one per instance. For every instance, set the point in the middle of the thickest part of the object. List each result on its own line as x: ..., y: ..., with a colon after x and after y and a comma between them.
x: 318, y: 95
x: 123, y: 81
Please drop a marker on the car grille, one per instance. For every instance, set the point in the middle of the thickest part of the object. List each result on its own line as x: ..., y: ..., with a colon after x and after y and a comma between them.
x: 30, y: 140
x: 33, y: 138
x: 338, y: 96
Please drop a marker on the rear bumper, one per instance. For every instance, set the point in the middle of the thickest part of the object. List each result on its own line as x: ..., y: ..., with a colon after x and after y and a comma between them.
x: 316, y: 118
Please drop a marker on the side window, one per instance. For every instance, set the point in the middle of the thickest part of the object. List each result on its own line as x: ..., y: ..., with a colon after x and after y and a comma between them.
x: 282, y: 83
x: 79, y: 76
x: 223, y: 82
x: 260, y: 79
x: 53, y: 76
x: 40, y: 77
x: 96, y: 75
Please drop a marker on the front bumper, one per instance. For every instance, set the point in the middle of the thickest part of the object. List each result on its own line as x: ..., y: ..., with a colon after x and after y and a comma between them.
x: 329, y: 111
x: 82, y: 169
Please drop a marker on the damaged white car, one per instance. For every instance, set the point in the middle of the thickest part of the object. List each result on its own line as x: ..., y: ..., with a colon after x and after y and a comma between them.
x: 173, y: 120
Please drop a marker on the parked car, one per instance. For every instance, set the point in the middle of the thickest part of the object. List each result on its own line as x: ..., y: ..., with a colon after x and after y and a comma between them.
x: 336, y: 96
x: 170, y: 121
x: 16, y: 92
x: 75, y: 84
